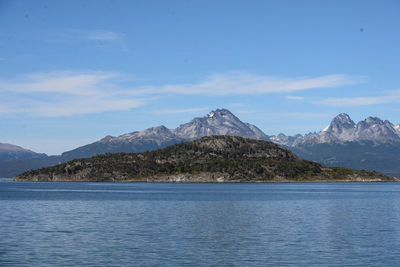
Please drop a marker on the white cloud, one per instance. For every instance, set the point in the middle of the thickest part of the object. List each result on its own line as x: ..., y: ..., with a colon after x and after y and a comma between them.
x: 102, y: 35
x: 360, y: 101
x: 64, y: 94
x: 294, y: 97
x: 59, y: 82
x: 236, y: 105
x: 99, y: 38
x: 297, y: 115
x: 87, y: 106
x: 281, y: 115
x: 73, y: 93
x: 237, y: 83
x: 176, y: 111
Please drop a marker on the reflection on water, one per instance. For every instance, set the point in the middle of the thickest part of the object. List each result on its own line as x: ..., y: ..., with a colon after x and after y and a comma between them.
x: 75, y: 224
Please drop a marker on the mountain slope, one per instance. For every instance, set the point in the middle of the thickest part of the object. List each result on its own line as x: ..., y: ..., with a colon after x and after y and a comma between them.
x: 11, y: 152
x: 149, y: 139
x: 209, y: 159
x: 371, y: 144
x: 342, y: 129
x: 217, y: 122
x: 365, y: 155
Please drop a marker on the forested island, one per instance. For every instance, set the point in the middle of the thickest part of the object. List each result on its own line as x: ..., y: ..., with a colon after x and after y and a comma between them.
x: 209, y: 159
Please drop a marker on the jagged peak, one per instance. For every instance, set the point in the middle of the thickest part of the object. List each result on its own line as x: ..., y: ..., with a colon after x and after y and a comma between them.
x: 340, y: 122
x: 373, y: 120
x: 343, y: 118
x: 219, y: 113
x: 106, y: 139
x: 160, y: 128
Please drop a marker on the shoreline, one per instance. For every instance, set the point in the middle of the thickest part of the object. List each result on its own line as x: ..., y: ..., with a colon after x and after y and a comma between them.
x: 209, y: 181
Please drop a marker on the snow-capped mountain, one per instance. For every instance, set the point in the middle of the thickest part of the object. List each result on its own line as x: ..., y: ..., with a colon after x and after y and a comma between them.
x: 397, y: 128
x: 217, y: 122
x: 343, y: 129
x: 12, y: 152
x: 371, y: 144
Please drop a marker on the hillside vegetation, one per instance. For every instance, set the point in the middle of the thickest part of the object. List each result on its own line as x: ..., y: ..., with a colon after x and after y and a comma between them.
x: 209, y: 159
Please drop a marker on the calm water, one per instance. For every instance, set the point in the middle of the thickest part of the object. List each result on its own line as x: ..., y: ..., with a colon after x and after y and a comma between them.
x: 107, y: 224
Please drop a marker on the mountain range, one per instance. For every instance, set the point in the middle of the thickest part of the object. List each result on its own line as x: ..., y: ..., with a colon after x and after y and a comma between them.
x: 343, y: 129
x: 218, y: 122
x: 371, y: 144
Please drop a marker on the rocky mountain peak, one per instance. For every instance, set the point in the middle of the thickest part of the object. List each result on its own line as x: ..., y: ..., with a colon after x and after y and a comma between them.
x: 106, y: 139
x: 343, y: 129
x: 374, y: 120
x: 218, y: 122
x: 340, y: 123
x: 219, y: 113
x: 376, y: 130
x: 156, y: 131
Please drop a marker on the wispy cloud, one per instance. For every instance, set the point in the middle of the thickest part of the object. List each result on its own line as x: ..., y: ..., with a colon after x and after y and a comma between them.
x: 64, y: 94
x: 297, y: 115
x: 393, y: 97
x: 98, y: 38
x: 281, y: 115
x: 294, y: 97
x: 102, y: 35
x: 176, y: 111
x: 237, y: 83
x: 59, y: 82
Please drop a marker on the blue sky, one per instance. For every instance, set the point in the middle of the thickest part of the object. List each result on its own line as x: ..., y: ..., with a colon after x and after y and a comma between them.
x: 72, y: 72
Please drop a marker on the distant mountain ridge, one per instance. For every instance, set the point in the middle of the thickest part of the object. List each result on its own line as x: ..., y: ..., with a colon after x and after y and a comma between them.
x: 217, y: 122
x: 371, y: 144
x: 208, y: 159
x: 13, y: 152
x: 342, y: 129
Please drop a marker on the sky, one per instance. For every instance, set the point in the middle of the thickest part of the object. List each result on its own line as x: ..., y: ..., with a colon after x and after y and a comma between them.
x: 72, y: 72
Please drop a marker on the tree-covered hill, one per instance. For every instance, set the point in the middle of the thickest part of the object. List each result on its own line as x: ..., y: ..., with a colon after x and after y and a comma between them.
x: 209, y: 159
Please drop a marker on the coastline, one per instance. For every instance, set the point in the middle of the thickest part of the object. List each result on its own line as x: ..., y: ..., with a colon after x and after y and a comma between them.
x: 190, y: 180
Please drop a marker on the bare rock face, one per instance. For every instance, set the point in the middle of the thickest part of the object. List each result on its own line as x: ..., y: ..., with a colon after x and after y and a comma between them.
x: 218, y: 122
x: 343, y: 129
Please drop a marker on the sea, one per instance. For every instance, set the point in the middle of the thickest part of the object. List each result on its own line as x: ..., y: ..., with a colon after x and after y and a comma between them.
x: 199, y: 224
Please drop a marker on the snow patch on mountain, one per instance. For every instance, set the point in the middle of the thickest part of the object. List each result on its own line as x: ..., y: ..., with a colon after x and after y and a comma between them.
x: 343, y: 129
x: 217, y: 122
